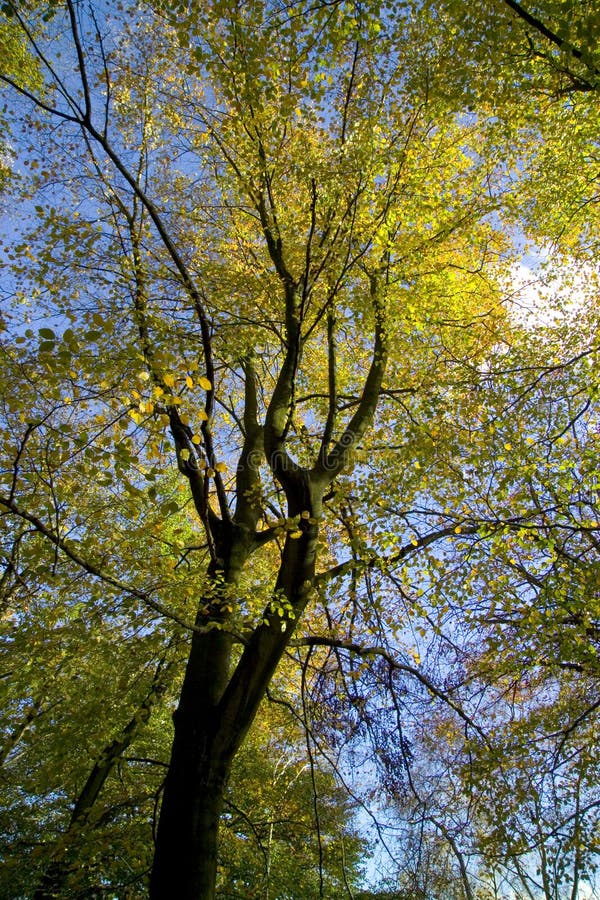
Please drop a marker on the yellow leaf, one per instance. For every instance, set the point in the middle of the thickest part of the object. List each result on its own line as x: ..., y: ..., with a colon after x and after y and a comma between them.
x: 196, y: 439
x: 143, y: 376
x: 221, y: 467
x: 169, y: 380
x: 185, y: 453
x: 189, y: 381
x: 295, y: 534
x: 204, y: 383
x: 202, y: 415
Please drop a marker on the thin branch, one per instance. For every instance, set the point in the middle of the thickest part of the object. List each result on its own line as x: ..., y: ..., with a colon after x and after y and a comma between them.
x: 332, y: 382
x: 311, y: 760
x: 417, y: 544
x: 327, y: 468
x: 248, y: 483
x: 80, y: 61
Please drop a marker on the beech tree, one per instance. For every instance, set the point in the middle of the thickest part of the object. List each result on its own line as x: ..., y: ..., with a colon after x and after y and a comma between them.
x: 255, y: 293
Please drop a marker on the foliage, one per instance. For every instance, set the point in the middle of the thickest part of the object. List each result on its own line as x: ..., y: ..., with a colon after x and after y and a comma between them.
x: 272, y: 844
x: 265, y: 391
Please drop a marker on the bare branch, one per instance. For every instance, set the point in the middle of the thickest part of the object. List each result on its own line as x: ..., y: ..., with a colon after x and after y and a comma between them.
x: 326, y: 469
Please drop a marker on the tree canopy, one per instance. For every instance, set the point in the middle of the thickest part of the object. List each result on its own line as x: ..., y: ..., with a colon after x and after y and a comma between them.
x: 299, y: 449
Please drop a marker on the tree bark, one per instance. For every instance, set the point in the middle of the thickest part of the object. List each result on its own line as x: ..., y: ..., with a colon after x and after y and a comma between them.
x: 215, y: 711
x: 185, y: 860
x: 217, y: 708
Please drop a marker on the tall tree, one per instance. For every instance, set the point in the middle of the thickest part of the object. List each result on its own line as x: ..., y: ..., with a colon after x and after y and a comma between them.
x: 248, y: 239
x: 260, y: 247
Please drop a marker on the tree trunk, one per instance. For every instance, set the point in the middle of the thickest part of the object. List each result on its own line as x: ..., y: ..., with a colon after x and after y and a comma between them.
x: 215, y: 711
x: 185, y: 861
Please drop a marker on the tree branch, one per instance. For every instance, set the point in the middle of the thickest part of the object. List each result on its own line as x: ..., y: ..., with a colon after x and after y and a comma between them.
x: 550, y: 35
x: 248, y: 484
x: 326, y: 469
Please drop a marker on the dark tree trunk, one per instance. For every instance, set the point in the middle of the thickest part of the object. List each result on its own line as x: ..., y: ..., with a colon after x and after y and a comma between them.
x: 185, y: 864
x: 215, y: 711
x: 185, y: 861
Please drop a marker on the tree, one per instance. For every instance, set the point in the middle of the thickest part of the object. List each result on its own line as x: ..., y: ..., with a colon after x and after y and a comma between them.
x: 261, y: 248
x: 314, y: 189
